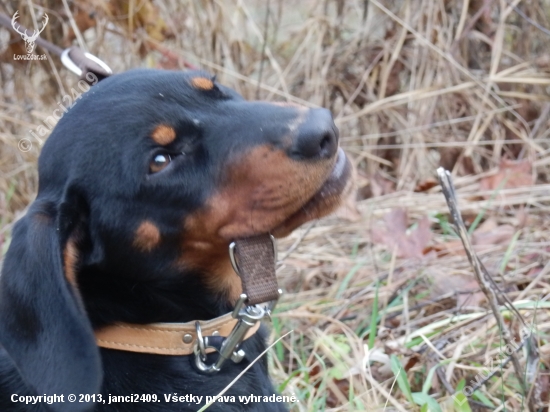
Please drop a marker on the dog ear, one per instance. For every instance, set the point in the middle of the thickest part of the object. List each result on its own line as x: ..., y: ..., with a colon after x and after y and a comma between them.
x: 43, y: 325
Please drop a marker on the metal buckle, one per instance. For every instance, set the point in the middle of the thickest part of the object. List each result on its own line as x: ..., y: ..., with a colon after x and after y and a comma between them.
x: 247, y: 315
x: 70, y: 64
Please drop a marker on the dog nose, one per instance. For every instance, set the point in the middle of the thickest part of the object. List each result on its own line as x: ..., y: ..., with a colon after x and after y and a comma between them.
x: 316, y: 137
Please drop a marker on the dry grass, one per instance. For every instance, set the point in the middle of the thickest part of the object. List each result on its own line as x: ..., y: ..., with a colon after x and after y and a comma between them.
x: 413, y: 85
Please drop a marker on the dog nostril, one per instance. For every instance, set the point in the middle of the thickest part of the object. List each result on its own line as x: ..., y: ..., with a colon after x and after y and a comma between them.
x: 324, y: 145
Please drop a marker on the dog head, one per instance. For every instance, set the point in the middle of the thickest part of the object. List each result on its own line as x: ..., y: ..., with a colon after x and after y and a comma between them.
x: 148, y: 178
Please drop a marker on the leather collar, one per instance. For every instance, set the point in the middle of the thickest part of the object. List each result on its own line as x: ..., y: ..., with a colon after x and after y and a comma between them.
x: 165, y: 338
x: 254, y: 260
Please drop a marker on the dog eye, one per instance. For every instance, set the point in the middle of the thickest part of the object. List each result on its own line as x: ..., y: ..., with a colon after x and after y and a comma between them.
x: 159, y: 162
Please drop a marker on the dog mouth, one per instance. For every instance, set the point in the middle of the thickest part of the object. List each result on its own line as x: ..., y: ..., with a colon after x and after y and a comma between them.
x: 265, y: 200
x: 326, y: 200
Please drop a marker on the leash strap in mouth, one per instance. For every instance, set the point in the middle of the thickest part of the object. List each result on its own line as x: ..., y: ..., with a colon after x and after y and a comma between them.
x: 254, y: 259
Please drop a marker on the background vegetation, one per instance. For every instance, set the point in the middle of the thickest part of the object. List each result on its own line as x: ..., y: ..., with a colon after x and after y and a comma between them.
x: 383, y: 305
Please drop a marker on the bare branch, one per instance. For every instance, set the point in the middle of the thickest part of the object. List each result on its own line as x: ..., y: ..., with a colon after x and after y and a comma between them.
x: 487, y: 284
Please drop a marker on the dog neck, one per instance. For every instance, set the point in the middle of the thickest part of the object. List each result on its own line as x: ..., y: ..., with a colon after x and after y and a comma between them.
x: 180, y: 297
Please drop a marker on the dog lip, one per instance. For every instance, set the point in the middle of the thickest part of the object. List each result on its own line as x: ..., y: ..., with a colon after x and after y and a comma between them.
x: 339, y: 166
x: 335, y: 183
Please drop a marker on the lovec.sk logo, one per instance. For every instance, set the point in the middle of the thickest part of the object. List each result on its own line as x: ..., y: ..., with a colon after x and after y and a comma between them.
x: 30, y: 41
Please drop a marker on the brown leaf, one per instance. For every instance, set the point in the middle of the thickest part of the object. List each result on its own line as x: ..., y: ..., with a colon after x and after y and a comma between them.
x: 395, y: 236
x: 510, y: 175
x: 543, y: 386
x: 373, y: 186
x: 426, y: 185
x: 451, y: 247
x: 380, y: 185
x: 500, y: 235
x: 489, y: 233
x: 412, y: 361
x: 457, y: 282
x: 338, y: 392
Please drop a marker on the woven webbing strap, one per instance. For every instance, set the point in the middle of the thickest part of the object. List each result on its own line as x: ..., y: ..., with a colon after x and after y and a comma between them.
x: 255, y: 258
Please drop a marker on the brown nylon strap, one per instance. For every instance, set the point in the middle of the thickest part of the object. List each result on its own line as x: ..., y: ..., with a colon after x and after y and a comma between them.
x: 255, y: 258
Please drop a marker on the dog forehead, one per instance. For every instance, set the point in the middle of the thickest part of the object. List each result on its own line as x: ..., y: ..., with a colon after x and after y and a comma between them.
x: 138, y: 96
x: 146, y: 83
x: 118, y: 106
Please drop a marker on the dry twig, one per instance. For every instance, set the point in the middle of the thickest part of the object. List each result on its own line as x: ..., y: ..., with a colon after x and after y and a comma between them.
x: 491, y: 290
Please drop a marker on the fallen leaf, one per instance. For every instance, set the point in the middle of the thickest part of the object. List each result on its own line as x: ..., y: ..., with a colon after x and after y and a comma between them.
x: 510, y: 175
x: 338, y: 392
x: 489, y: 233
x: 543, y: 387
x: 451, y: 247
x: 413, y: 360
x: 466, y: 286
x: 394, y: 235
x: 464, y: 283
x: 380, y: 185
x: 487, y: 225
x: 426, y: 185
x: 500, y: 235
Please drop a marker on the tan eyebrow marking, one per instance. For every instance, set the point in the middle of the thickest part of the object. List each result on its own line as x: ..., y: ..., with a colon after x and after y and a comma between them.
x: 70, y: 258
x: 163, y: 135
x: 147, y: 236
x: 202, y: 83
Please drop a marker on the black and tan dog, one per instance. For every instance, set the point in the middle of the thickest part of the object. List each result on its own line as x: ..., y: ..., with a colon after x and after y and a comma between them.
x: 143, y: 185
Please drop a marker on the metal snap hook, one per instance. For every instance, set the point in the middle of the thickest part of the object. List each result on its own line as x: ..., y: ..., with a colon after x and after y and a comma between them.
x: 70, y: 64
x: 200, y: 341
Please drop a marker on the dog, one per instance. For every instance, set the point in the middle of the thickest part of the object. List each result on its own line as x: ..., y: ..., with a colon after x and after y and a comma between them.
x: 143, y: 184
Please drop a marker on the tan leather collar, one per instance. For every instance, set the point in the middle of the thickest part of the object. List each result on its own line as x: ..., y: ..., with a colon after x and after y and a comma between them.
x: 164, y: 338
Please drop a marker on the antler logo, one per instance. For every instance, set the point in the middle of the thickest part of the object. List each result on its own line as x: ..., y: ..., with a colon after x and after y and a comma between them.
x: 29, y: 40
